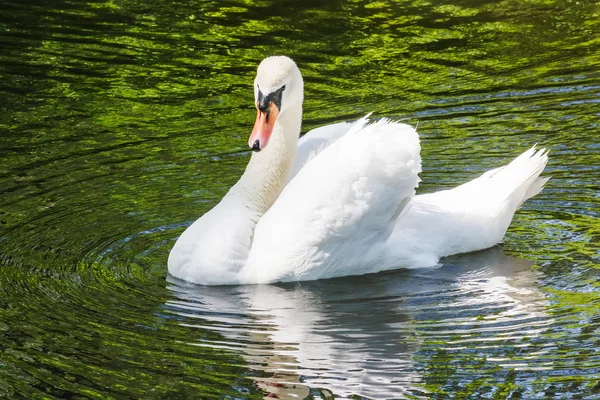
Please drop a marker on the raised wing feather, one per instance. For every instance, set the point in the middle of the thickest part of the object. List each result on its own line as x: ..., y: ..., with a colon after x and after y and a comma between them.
x: 318, y: 139
x: 331, y: 217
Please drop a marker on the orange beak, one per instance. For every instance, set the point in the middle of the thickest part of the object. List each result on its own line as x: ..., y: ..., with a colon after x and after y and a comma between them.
x: 263, y: 127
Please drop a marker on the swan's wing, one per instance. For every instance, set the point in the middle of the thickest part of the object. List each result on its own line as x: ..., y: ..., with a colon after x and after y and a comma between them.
x: 332, y: 216
x: 317, y: 140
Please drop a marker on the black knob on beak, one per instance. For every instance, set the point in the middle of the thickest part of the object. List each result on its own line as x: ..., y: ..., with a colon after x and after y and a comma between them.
x: 256, y: 146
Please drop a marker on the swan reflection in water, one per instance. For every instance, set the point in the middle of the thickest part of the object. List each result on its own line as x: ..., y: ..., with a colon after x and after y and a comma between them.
x: 365, y: 334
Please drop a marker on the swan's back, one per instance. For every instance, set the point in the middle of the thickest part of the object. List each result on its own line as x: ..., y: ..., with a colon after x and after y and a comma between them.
x: 317, y: 140
x: 470, y: 217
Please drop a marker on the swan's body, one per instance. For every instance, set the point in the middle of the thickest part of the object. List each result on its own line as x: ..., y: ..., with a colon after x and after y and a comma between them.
x: 340, y: 201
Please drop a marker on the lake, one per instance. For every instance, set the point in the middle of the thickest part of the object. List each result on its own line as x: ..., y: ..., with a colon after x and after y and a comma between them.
x: 122, y: 121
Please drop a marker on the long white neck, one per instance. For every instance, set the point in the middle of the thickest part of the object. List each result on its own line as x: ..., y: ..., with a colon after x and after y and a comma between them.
x: 266, y: 173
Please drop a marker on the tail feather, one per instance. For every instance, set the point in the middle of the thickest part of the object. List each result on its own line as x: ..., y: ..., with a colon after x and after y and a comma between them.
x: 520, y: 179
x: 534, y: 189
x: 509, y: 185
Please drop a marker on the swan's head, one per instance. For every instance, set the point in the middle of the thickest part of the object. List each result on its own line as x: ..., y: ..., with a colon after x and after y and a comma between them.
x: 278, y: 87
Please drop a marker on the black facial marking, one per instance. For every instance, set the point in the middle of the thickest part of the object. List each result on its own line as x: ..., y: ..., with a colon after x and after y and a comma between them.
x: 265, y: 101
x: 256, y: 146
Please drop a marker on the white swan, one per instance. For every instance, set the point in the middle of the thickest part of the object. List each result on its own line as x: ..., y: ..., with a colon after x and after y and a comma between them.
x: 341, y: 200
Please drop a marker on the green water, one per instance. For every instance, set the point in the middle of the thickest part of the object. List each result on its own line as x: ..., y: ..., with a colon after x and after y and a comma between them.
x: 122, y: 121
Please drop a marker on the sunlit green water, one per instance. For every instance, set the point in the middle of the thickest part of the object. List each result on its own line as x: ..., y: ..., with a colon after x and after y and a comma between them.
x: 123, y: 121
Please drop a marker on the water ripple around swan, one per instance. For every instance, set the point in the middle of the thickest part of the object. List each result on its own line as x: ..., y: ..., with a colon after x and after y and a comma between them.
x: 123, y: 121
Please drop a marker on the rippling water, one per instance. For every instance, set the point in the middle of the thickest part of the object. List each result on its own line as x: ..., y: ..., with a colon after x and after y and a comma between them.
x: 123, y: 121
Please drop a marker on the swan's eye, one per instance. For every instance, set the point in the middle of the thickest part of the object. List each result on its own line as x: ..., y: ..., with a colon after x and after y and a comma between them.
x: 273, y: 97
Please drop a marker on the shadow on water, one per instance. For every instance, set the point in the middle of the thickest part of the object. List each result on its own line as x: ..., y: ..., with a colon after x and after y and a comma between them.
x: 369, y: 335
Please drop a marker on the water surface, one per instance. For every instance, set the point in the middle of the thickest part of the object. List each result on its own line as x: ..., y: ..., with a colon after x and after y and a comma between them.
x: 123, y: 121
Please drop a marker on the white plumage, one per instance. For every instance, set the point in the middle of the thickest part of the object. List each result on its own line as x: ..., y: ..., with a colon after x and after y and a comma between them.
x: 341, y: 201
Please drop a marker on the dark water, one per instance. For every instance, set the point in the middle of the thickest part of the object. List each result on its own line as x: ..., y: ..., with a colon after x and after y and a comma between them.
x: 123, y: 121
